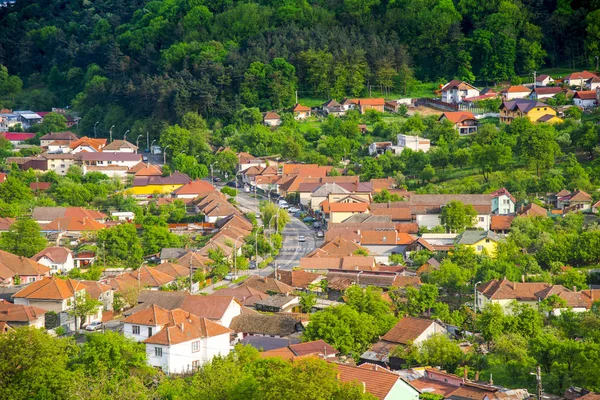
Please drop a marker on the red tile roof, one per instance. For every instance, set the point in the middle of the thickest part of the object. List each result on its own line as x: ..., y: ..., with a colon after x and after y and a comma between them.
x: 585, y: 95
x: 371, y: 102
x: 56, y: 254
x: 348, y: 207
x: 378, y: 383
x: 577, y: 75
x: 12, y: 265
x: 407, y: 330
x: 517, y: 89
x: 50, y: 288
x: 300, y: 108
x: 74, y: 224
x: 197, y: 187
x: 19, y: 313
x: 501, y: 222
x: 457, y: 117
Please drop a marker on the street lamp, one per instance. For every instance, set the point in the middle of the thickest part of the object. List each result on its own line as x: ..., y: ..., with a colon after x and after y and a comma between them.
x: 165, y: 154
x: 236, y: 186
x: 95, y: 125
x: 125, y: 135
x: 137, y: 142
x: 212, y: 178
x: 235, y: 256
x: 110, y: 133
x: 538, y: 378
x: 475, y: 297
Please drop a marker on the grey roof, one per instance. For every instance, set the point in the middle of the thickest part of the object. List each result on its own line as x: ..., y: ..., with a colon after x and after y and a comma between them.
x: 59, y: 136
x: 327, y: 188
x: 118, y: 145
x: 267, y: 343
x: 362, y: 218
x: 523, y: 104
x: 166, y: 300
x: 276, y: 325
x: 172, y: 253
x: 48, y: 213
x: 472, y: 237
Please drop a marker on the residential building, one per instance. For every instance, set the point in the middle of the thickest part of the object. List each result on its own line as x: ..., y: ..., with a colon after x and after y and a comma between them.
x: 427, y: 208
x: 176, y: 340
x: 585, y: 99
x: 88, y: 145
x: 515, y: 92
x: 503, y: 202
x: 378, y: 148
x: 193, y: 189
x: 16, y: 315
x: 380, y: 382
x: 246, y: 295
x: 57, y: 136
x: 101, y: 292
x: 543, y: 80
x: 301, y: 112
x: 107, y: 161
x: 504, y: 292
x: 463, y: 121
x: 501, y: 224
x: 317, y: 348
x: 539, y: 93
x: 45, y: 215
x: 58, y: 259
x: 247, y: 160
x: 267, y: 285
x: 579, y: 79
x: 297, y: 278
x: 120, y: 146
x: 532, y: 210
x: 341, y: 211
x: 16, y: 270
x: 150, y: 185
x: 534, y: 110
x: 272, y: 119
x: 455, y: 91
x: 273, y: 325
x: 415, y: 143
x: 371, y: 104
x: 332, y: 107
x: 16, y: 138
x: 279, y: 303
x: 28, y: 118
x: 59, y: 162
x: 479, y: 241
x: 578, y: 200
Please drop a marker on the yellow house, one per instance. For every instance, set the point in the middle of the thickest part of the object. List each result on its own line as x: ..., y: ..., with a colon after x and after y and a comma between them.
x: 148, y: 185
x: 479, y: 241
x: 534, y: 110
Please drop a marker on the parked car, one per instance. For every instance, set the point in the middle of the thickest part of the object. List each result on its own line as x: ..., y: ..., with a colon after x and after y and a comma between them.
x: 231, y: 184
x: 302, y: 238
x: 94, y: 326
x: 308, y: 219
x: 216, y: 179
x: 229, y: 277
x: 293, y: 209
x: 297, y: 214
x: 320, y: 234
x: 252, y: 265
x: 317, y: 225
x: 284, y: 205
x: 145, y: 158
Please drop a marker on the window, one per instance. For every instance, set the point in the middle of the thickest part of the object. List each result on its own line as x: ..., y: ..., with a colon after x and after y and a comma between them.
x: 384, y: 239
x: 158, y: 352
x: 195, y: 346
x: 479, y: 248
x: 487, y: 240
x: 135, y: 329
x: 481, y: 219
x: 149, y: 331
x: 196, y: 364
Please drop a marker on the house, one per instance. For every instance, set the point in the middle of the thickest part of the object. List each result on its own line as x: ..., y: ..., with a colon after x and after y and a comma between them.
x: 539, y: 93
x: 463, y: 121
x: 247, y: 160
x: 16, y: 270
x: 73, y: 225
x: 341, y: 280
x: 120, y: 146
x: 430, y: 265
x: 301, y: 112
x: 67, y: 136
x: 349, y: 104
x: 415, y: 143
x: 16, y: 315
x: 193, y: 189
x: 371, y: 104
x: 585, y: 99
x: 56, y: 295
x: 504, y: 292
x: 279, y: 303
x: 176, y: 340
x: 426, y: 208
x: 16, y: 138
x: 455, y: 91
x: 297, y: 278
x: 112, y: 164
x: 88, y: 145
x: 246, y: 295
x: 59, y: 162
x: 479, y: 241
x: 58, y: 259
x: 267, y: 285
x: 500, y: 224
x: 503, y: 202
x: 317, y: 348
x: 255, y: 324
x: 534, y: 110
x: 143, y: 169
x: 332, y: 107
x: 272, y: 119
x: 38, y: 187
x: 44, y: 215
x: 408, y: 331
x: 6, y: 223
x: 532, y: 210
x: 578, y: 79
x: 578, y: 200
x: 28, y: 118
x: 378, y: 148
x: 515, y: 92
x: 380, y: 382
x: 543, y: 80
x: 340, y: 211
x: 150, y: 185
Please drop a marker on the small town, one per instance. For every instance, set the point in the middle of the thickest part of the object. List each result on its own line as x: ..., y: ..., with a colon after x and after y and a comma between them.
x: 300, y: 200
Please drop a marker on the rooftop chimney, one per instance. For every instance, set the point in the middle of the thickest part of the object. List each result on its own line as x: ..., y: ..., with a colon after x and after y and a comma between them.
x: 465, y: 373
x: 491, y: 380
x: 523, y: 278
x: 181, y: 326
x: 575, y: 289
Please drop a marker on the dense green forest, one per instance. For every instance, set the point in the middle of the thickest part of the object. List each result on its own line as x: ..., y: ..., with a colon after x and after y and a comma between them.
x: 140, y: 64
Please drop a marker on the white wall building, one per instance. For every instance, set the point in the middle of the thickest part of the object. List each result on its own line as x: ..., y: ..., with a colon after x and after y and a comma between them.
x: 455, y: 91
x: 415, y: 143
x: 58, y: 259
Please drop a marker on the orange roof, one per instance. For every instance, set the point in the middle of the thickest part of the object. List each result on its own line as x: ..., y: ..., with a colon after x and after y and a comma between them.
x: 74, y: 224
x: 339, y: 247
x: 378, y: 383
x: 142, y: 169
x: 197, y: 187
x: 55, y: 254
x: 517, y: 89
x: 294, y: 168
x: 501, y: 222
x: 272, y: 115
x: 533, y: 210
x: 152, y: 315
x: 583, y: 75
x: 96, y: 144
x: 300, y: 108
x: 407, y: 330
x: 94, y: 288
x: 50, y: 288
x: 349, y: 207
x: 296, y: 278
x: 585, y: 95
x: 283, y: 352
x: 457, y: 117
x: 173, y: 270
x: 371, y: 102
x: 395, y: 213
x: 19, y: 313
x: 151, y: 277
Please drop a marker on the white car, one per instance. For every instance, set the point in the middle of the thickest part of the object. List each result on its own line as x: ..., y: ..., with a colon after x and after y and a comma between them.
x: 293, y: 209
x: 229, y: 277
x: 302, y: 238
x: 284, y: 205
x: 94, y: 326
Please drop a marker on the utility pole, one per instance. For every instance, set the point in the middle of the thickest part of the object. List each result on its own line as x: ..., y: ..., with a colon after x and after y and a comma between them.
x: 147, y: 140
x: 369, y: 90
x: 597, y: 58
x: 538, y: 378
x: 110, y: 133
x: 97, y: 122
x: 191, y: 281
x: 297, y: 92
x: 534, y: 79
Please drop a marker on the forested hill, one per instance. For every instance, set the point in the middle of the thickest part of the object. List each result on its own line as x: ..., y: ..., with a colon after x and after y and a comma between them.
x: 134, y: 59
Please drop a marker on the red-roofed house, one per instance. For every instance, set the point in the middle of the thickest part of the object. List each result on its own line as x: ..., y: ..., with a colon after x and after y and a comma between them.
x: 176, y: 340
x: 301, y: 112
x: 515, y: 92
x: 455, y: 91
x: 193, y: 189
x: 503, y: 202
x: 578, y: 78
x: 16, y: 315
x: 17, y: 137
x: 464, y: 121
x: 543, y: 80
x: 371, y: 104
x: 585, y: 99
x: 271, y: 118
x: 58, y: 259
x: 379, y: 382
x: 338, y: 212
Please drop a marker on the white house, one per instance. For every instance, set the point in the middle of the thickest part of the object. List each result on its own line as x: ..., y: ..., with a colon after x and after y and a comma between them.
x: 176, y: 340
x: 376, y: 148
x: 120, y: 146
x: 427, y: 208
x: 58, y: 259
x: 544, y: 92
x: 415, y: 143
x: 585, y: 99
x: 503, y: 202
x: 543, y: 80
x: 272, y: 119
x: 455, y: 91
x: 516, y: 92
x: 28, y: 118
x: 579, y: 79
x: 379, y: 381
x: 593, y: 83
